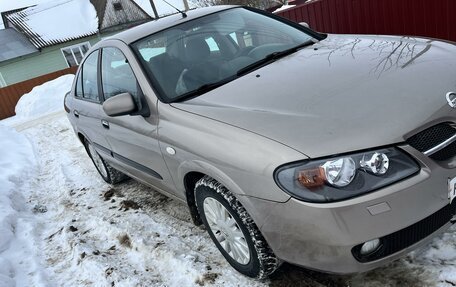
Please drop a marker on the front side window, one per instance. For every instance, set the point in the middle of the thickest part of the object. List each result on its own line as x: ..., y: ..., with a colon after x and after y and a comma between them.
x: 89, y: 77
x: 116, y: 74
x: 211, y: 50
x: 73, y: 55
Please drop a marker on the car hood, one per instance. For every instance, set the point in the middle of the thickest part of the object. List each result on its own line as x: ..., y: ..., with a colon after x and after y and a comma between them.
x: 342, y: 94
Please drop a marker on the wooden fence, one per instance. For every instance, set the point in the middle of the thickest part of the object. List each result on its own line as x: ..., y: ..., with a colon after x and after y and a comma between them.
x: 430, y: 18
x: 10, y: 95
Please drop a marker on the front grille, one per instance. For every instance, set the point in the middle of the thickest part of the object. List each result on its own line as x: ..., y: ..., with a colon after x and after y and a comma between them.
x: 446, y: 153
x: 433, y: 136
x: 408, y: 236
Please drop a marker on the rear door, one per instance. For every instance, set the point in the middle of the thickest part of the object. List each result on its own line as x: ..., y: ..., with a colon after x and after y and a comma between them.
x: 133, y: 138
x: 87, y: 104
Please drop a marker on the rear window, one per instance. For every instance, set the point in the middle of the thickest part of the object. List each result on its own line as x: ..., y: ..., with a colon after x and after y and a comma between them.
x: 89, y: 77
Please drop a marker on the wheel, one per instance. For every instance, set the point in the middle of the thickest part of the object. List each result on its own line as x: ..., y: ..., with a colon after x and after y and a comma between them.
x: 233, y: 230
x: 107, y: 172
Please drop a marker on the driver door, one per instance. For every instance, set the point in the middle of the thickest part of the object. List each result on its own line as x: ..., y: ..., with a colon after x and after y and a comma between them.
x: 133, y: 138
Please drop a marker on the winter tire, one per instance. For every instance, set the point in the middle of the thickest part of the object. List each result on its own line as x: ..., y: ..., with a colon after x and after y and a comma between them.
x: 107, y: 172
x: 233, y: 230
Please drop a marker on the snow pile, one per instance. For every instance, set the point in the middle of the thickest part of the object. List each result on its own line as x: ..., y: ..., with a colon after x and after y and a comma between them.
x: 18, y: 265
x: 61, y: 19
x: 44, y: 99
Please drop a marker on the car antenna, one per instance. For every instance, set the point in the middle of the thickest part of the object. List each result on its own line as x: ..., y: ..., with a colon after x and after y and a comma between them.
x: 184, y: 15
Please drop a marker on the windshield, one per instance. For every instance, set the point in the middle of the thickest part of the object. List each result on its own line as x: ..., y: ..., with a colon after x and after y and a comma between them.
x: 204, y: 53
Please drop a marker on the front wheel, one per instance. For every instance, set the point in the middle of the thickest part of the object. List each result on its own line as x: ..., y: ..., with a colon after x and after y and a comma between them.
x: 107, y: 172
x: 233, y: 230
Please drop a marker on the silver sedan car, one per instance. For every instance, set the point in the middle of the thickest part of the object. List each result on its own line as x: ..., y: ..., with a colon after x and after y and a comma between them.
x: 332, y: 152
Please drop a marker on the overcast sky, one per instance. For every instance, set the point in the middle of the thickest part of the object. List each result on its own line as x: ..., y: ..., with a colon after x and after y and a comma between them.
x: 6, y: 5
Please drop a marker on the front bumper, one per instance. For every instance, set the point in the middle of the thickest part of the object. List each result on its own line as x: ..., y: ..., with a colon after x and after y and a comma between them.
x: 323, y: 236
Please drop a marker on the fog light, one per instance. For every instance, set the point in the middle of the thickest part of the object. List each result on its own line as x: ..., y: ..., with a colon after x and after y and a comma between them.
x: 369, y: 247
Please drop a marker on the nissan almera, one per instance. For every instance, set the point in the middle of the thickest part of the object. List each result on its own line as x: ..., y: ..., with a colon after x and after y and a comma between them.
x: 332, y: 152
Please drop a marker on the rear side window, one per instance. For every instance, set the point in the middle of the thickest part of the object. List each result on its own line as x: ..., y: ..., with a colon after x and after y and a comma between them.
x: 213, y: 46
x: 89, y: 78
x: 116, y: 75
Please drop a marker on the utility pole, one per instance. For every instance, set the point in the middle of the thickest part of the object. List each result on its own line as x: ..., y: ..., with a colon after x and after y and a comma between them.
x: 186, y: 5
x: 155, y: 9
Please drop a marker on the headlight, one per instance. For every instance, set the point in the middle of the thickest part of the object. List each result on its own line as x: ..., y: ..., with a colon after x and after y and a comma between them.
x: 343, y: 177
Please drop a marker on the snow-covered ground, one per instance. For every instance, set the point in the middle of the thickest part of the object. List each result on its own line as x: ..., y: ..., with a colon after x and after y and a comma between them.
x: 62, y: 225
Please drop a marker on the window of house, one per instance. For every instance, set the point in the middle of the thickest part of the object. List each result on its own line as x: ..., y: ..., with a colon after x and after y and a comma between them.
x: 74, y: 54
x: 89, y: 77
x: 2, y: 81
x: 116, y: 75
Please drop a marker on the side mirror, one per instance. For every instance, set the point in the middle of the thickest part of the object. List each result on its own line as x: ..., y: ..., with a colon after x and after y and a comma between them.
x: 304, y: 24
x: 119, y: 105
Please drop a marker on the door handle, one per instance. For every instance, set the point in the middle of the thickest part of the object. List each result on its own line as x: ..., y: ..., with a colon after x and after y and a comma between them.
x: 76, y: 113
x: 105, y: 124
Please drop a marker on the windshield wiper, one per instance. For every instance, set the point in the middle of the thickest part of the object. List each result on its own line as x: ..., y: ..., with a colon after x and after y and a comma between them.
x: 269, y: 58
x: 272, y: 57
x: 202, y: 89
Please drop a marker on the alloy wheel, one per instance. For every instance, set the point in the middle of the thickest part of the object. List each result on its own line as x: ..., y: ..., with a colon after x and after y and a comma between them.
x: 226, y: 230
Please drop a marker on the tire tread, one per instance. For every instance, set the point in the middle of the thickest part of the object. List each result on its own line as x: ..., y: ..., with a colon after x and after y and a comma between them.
x: 269, y: 263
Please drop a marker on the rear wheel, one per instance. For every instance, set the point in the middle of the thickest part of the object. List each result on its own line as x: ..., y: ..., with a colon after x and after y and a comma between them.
x: 233, y: 230
x: 107, y: 172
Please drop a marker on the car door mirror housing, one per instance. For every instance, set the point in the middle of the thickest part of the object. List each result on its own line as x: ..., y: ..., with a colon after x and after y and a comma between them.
x: 119, y: 105
x: 305, y: 24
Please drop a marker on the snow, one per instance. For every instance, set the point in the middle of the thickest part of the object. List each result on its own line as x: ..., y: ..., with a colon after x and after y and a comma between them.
x: 8, y: 5
x: 284, y: 7
x: 51, y: 20
x: 18, y: 261
x: 85, y: 232
x: 80, y: 9
x: 43, y: 99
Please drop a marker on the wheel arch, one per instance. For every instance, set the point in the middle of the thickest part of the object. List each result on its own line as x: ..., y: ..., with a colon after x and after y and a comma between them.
x: 192, y: 172
x: 81, y: 137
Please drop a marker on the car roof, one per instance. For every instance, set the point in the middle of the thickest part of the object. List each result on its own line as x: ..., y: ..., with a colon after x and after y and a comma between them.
x: 141, y: 31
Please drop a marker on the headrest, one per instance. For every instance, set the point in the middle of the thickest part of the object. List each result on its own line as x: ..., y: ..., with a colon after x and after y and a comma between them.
x: 197, y: 49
